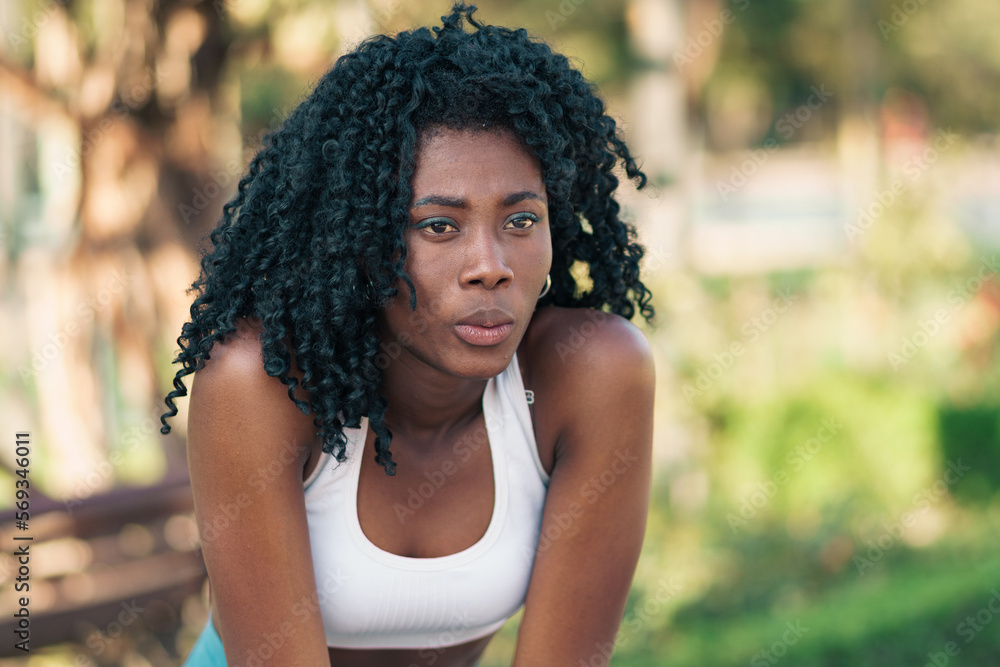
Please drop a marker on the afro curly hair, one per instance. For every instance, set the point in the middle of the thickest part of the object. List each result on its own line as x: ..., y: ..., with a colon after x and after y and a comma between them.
x: 312, y: 243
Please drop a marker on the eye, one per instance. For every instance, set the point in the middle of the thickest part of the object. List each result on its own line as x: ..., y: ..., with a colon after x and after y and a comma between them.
x: 437, y: 226
x: 521, y: 221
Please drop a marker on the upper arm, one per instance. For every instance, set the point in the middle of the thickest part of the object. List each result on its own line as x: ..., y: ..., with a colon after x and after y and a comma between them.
x: 247, y: 444
x: 597, y: 501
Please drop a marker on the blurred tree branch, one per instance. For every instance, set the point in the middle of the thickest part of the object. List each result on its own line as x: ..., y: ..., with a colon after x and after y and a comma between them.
x: 33, y: 102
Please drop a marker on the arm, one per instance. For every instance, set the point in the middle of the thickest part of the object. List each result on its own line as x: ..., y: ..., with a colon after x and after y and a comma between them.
x: 247, y: 445
x: 597, y: 499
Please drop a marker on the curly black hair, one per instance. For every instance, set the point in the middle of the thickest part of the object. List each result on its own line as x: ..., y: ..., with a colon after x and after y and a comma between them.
x: 312, y: 243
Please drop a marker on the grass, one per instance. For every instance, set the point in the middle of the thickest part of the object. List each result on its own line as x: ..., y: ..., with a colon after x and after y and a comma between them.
x: 893, y: 619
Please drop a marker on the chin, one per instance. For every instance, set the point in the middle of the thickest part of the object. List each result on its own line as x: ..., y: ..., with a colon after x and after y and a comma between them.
x: 482, y: 363
x: 486, y: 368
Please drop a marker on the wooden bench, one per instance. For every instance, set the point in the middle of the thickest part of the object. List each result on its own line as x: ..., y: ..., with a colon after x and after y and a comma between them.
x: 101, y: 564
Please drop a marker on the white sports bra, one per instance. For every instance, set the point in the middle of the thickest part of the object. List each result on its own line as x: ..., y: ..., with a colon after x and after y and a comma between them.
x: 370, y: 598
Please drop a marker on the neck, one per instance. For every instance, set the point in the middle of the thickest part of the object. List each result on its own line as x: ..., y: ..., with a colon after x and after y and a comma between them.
x: 424, y: 404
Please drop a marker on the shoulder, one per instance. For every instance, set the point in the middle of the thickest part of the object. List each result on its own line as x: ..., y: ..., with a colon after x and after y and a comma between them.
x: 235, y: 363
x: 232, y: 386
x: 581, y: 342
x: 588, y: 364
x: 237, y: 356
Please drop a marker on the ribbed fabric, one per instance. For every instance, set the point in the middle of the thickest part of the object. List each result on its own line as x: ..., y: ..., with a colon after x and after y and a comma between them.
x: 370, y: 598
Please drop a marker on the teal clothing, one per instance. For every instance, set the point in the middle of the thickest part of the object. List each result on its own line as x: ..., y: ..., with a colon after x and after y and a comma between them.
x: 207, y: 651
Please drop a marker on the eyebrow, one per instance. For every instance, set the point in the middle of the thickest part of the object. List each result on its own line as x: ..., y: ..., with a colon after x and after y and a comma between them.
x: 453, y: 202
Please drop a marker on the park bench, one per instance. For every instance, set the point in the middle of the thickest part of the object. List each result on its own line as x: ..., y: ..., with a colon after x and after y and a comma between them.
x: 99, y: 564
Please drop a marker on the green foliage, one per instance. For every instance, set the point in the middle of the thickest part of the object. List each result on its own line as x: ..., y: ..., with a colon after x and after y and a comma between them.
x: 946, y: 53
x: 972, y: 435
x: 862, y: 533
x: 267, y: 96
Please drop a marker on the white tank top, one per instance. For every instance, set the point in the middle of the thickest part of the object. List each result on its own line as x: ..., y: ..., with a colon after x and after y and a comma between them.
x: 370, y: 598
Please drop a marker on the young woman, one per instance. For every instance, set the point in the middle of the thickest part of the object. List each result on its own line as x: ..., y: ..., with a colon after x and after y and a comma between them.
x: 427, y: 254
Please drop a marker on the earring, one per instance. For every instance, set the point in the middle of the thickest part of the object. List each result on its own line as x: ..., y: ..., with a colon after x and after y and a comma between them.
x: 548, y: 284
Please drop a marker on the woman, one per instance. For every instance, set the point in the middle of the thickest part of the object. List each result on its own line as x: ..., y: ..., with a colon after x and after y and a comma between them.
x: 398, y: 267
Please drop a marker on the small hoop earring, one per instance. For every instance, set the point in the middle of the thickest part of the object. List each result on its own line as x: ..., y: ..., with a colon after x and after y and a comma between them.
x: 548, y: 284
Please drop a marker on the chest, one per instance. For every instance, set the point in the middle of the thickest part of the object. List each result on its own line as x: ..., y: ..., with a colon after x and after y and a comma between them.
x: 441, y: 499
x: 379, y: 583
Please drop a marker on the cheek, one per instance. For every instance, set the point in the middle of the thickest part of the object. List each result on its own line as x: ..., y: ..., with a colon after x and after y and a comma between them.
x: 433, y: 276
x: 416, y: 321
x: 540, y: 253
x: 547, y: 252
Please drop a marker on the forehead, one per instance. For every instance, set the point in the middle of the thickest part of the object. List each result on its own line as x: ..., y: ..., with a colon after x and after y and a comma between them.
x: 467, y: 163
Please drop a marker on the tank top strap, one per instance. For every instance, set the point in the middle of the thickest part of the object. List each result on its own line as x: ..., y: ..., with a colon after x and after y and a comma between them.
x: 509, y: 398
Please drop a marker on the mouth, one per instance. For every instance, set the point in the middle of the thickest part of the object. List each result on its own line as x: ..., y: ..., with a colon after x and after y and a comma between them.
x: 479, y: 335
x: 483, y: 328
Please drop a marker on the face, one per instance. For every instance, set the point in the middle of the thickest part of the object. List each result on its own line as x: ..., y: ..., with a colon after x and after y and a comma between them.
x: 478, y: 251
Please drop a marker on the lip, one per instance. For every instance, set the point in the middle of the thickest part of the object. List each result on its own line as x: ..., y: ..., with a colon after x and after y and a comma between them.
x: 479, y: 335
x: 485, y: 327
x: 487, y: 318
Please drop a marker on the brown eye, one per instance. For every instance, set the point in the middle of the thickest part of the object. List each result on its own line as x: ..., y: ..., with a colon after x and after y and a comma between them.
x: 436, y: 225
x: 521, y: 221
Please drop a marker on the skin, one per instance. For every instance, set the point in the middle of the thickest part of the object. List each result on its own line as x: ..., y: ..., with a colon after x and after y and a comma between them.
x: 488, y: 247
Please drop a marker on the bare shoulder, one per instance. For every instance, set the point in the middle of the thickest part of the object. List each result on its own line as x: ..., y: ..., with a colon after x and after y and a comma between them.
x: 232, y: 391
x: 238, y: 357
x: 583, y: 359
x: 577, y: 343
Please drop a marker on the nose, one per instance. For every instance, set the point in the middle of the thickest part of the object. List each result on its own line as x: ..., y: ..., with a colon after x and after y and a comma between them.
x: 484, y: 264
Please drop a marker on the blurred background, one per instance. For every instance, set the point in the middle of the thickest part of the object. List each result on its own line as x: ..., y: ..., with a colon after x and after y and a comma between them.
x: 821, y: 228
